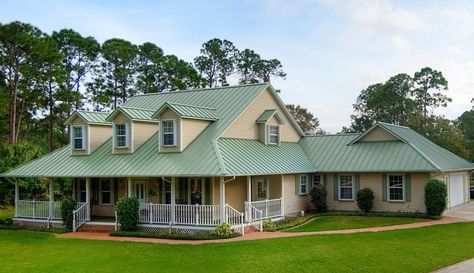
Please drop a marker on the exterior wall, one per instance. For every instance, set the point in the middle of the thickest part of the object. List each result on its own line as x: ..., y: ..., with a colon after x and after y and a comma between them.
x: 121, y: 118
x: 378, y: 134
x: 246, y: 127
x: 236, y: 193
x: 169, y: 114
x: 99, y: 134
x: 191, y: 129
x: 79, y: 121
x: 293, y: 203
x: 215, y: 190
x: 374, y: 181
x: 142, y: 131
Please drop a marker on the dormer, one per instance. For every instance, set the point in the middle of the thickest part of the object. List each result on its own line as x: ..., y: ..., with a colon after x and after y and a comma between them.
x: 180, y: 124
x: 377, y: 133
x: 131, y: 127
x: 88, y: 130
x: 269, y: 123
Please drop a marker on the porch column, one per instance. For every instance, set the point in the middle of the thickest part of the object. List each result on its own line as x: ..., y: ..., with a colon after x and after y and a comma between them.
x: 129, y: 187
x: 249, y: 189
x: 88, y: 197
x: 173, y: 198
x: 282, y: 210
x: 17, y: 196
x: 51, y: 198
x: 222, y: 198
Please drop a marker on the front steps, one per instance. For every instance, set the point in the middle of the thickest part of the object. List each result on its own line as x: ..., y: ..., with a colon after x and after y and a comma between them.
x: 97, y: 227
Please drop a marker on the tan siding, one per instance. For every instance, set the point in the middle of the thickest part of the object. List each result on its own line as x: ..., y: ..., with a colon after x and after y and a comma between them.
x: 169, y: 114
x: 275, y: 186
x: 236, y: 193
x: 142, y: 131
x: 245, y: 127
x: 121, y: 118
x: 191, y: 129
x: 261, y: 132
x: 99, y: 134
x: 378, y: 134
x: 294, y: 203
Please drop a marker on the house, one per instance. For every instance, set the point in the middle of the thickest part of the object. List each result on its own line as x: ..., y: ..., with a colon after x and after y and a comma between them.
x: 201, y: 157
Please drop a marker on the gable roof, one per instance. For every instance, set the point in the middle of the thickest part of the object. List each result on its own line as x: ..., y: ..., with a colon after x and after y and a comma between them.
x: 133, y: 113
x: 268, y: 114
x: 188, y: 111
x: 98, y: 118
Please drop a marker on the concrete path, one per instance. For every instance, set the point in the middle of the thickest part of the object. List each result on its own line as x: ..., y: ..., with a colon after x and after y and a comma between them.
x: 258, y: 235
x: 465, y: 211
x: 462, y: 267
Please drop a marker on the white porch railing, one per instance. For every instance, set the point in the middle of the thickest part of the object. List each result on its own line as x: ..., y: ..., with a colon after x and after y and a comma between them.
x: 38, y: 209
x: 80, y: 216
x: 270, y: 208
x: 234, y: 218
x: 253, y: 215
x: 205, y: 215
x: 155, y: 213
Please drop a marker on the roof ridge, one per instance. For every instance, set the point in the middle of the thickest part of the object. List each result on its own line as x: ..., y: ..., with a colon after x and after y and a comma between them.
x: 92, y: 112
x: 391, y: 124
x: 202, y: 89
x: 190, y: 105
x: 136, y: 108
x: 342, y: 134
x: 414, y: 147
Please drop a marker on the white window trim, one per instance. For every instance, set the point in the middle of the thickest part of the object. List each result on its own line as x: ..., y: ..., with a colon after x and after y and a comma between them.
x: 339, y: 187
x: 83, y: 137
x: 268, y: 134
x: 257, y: 180
x: 175, y: 144
x: 321, y: 179
x: 299, y: 184
x: 111, y: 181
x: 403, y: 188
x: 127, y: 137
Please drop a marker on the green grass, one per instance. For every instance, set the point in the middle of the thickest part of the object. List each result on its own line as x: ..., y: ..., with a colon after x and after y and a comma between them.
x: 350, y: 222
x: 6, y: 212
x: 412, y: 250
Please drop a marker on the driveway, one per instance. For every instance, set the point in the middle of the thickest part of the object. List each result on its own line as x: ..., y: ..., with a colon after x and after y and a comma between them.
x: 465, y: 211
x: 463, y: 267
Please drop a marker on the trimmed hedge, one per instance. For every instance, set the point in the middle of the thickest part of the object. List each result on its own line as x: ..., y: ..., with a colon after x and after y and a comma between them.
x: 436, y: 197
x: 174, y: 236
x: 319, y: 198
x: 365, y: 199
x: 127, y: 213
x: 68, y: 205
x: 41, y: 229
x: 287, y: 223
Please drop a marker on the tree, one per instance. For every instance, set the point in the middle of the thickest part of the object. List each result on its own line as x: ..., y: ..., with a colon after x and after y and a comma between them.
x: 465, y: 123
x: 305, y: 119
x: 268, y: 68
x: 253, y: 69
x: 216, y: 61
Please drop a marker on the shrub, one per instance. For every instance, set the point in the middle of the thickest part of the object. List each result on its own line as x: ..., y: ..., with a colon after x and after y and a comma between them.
x: 287, y: 223
x: 268, y: 224
x: 127, y: 213
x: 68, y: 205
x: 319, y: 197
x: 223, y: 229
x: 436, y: 197
x: 365, y: 199
x: 174, y: 236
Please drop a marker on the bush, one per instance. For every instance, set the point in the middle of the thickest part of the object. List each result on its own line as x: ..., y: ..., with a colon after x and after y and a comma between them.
x: 174, y: 236
x: 127, y: 213
x: 68, y: 205
x: 287, y: 223
x: 268, y: 224
x: 365, y: 199
x: 436, y: 197
x: 223, y: 229
x: 319, y: 198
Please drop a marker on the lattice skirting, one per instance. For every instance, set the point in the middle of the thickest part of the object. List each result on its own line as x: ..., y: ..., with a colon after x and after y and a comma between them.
x: 38, y: 224
x: 180, y: 230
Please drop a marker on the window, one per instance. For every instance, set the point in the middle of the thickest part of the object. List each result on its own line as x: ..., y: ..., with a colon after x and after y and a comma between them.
x: 303, y: 189
x: 168, y: 132
x: 273, y: 134
x: 82, y: 190
x: 106, y: 190
x: 317, y: 179
x: 346, y: 187
x: 78, y: 137
x: 261, y: 187
x: 396, y: 189
x: 121, y: 136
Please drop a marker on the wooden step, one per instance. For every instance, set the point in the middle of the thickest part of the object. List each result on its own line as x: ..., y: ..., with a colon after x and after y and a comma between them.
x: 96, y: 228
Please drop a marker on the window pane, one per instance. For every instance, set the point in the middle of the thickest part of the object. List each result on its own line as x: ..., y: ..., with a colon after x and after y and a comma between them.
x: 316, y: 179
x: 396, y: 187
x: 121, y: 141
x: 121, y: 135
x: 77, y: 131
x: 121, y: 128
x: 168, y: 126
x: 168, y: 139
x: 346, y: 193
x: 78, y: 143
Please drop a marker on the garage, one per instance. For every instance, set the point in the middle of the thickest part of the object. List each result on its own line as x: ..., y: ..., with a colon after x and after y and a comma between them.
x: 456, y: 191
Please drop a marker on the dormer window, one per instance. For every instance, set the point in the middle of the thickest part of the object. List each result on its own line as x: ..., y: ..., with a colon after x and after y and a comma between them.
x: 121, y: 135
x: 78, y: 137
x: 168, y: 129
x: 273, y: 134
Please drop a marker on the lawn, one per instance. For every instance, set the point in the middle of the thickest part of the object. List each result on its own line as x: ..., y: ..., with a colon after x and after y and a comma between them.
x: 6, y: 212
x: 350, y: 222
x: 413, y: 250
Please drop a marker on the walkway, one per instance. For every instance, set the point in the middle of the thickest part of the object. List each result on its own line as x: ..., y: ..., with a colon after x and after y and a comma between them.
x: 465, y: 211
x: 462, y: 267
x: 258, y: 235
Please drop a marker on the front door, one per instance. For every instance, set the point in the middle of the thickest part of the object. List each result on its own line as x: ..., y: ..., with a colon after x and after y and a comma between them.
x: 140, y: 191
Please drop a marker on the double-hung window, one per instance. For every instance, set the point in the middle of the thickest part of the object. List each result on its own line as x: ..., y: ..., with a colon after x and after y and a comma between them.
x: 317, y: 179
x: 396, y: 187
x: 121, y: 135
x: 168, y: 134
x: 303, y: 187
x: 273, y: 134
x: 346, y: 187
x: 78, y: 137
x: 106, y: 191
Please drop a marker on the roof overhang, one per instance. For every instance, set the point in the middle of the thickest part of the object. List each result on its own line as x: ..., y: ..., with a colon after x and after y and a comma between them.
x: 172, y: 107
x: 268, y: 114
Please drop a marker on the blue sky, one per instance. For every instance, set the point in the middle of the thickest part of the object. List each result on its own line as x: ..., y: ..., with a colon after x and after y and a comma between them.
x: 330, y: 49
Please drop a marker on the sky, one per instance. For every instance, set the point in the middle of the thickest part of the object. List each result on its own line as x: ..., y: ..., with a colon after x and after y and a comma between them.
x: 330, y: 49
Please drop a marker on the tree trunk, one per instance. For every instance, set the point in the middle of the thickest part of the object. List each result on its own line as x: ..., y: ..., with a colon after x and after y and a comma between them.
x: 12, y: 109
x: 50, y: 119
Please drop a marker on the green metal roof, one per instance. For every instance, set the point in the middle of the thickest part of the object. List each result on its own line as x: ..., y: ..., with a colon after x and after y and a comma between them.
x: 133, y: 113
x: 268, y: 114
x: 89, y: 117
x: 189, y: 111
x: 251, y: 157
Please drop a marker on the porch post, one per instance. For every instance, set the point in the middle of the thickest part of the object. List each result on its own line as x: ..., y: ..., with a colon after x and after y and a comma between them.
x: 249, y: 189
x: 222, y: 198
x: 17, y: 196
x: 129, y: 187
x: 88, y: 197
x: 51, y: 198
x: 173, y: 199
x: 282, y: 202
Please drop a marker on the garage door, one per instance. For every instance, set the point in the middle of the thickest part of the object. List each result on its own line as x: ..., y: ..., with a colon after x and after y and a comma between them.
x: 456, y: 190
